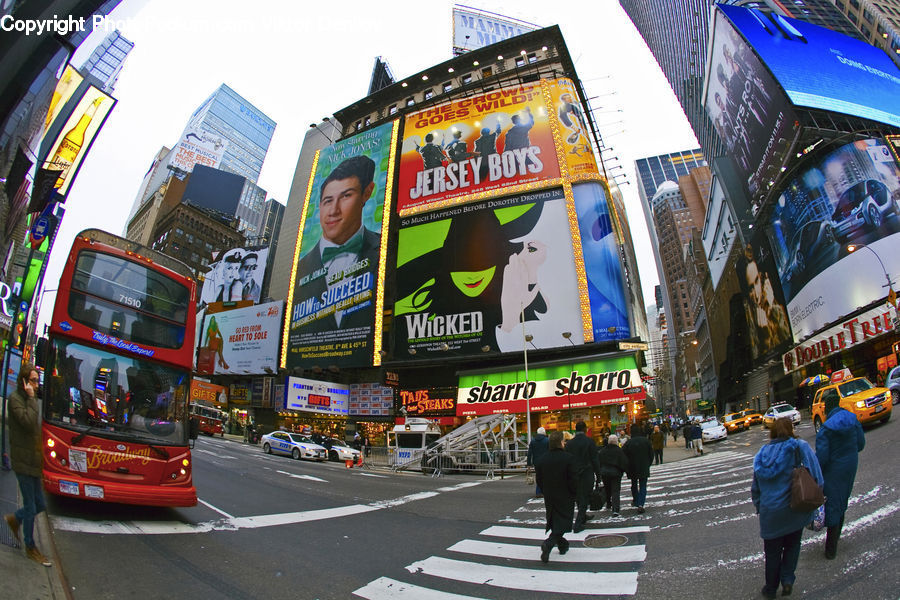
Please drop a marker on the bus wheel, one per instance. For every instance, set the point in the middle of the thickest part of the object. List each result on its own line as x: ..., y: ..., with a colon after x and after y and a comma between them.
x: 296, y: 454
x: 267, y: 448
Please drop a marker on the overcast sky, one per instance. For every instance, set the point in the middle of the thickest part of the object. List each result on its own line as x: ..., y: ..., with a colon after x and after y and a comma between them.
x: 301, y: 61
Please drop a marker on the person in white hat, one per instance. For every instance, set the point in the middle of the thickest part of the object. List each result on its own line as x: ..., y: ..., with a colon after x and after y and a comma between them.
x: 538, y: 447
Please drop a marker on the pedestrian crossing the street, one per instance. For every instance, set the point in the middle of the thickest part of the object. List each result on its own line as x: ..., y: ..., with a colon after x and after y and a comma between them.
x: 604, y: 560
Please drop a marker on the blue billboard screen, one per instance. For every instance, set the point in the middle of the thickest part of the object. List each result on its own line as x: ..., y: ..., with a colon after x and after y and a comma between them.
x: 851, y: 76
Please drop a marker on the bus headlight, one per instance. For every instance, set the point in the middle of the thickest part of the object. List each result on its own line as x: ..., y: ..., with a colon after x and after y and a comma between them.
x: 185, y: 462
x: 53, y: 454
x: 50, y: 442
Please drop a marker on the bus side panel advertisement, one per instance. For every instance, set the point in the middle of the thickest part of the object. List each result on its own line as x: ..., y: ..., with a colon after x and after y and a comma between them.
x: 849, y: 196
x: 466, y: 274
x: 747, y: 107
x: 332, y: 312
x: 600, y: 248
x: 593, y: 383
x: 242, y: 341
x: 484, y: 143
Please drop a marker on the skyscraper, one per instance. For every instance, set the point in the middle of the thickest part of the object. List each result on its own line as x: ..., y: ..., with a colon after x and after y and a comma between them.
x: 105, y: 62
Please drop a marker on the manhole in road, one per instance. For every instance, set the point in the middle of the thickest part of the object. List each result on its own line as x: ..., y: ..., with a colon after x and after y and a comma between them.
x: 605, y: 541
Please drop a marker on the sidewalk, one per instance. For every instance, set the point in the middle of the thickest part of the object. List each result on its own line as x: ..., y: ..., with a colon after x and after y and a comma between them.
x: 22, y: 577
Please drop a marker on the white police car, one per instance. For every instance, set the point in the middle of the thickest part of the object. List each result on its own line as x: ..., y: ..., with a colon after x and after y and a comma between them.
x: 781, y: 411
x: 713, y: 430
x: 293, y: 445
x: 340, y: 451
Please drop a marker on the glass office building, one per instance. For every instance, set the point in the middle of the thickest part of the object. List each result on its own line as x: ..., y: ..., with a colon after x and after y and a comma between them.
x: 247, y: 129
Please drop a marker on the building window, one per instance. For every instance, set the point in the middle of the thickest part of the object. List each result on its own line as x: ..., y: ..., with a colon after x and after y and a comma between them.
x: 520, y: 61
x: 393, y: 109
x: 866, y: 32
x: 854, y: 4
x: 447, y: 87
x: 410, y: 101
x: 532, y: 58
x: 429, y: 94
x: 467, y: 79
x: 367, y: 122
x: 358, y: 125
x: 486, y: 72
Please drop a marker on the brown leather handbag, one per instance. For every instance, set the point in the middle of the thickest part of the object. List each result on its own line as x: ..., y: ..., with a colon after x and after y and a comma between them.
x: 806, y: 495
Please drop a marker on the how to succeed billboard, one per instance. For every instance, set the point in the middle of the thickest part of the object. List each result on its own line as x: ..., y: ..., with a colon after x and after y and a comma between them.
x: 334, y: 282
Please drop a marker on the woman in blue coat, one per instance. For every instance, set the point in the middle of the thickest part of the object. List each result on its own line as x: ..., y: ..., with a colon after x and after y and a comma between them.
x: 838, y: 444
x: 780, y: 527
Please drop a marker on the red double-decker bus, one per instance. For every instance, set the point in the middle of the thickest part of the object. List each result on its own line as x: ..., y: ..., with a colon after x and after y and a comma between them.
x: 116, y: 423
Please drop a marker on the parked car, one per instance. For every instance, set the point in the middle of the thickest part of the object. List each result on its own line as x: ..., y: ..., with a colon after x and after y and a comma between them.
x: 858, y: 395
x: 712, y: 430
x: 892, y: 382
x: 339, y: 450
x: 294, y: 445
x: 865, y: 203
x: 781, y: 411
x: 735, y: 422
x: 753, y: 416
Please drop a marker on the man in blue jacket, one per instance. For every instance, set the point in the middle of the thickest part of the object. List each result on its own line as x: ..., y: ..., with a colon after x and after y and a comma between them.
x: 838, y: 444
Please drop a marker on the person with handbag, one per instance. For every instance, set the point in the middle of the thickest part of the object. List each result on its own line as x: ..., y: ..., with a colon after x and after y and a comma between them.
x: 781, y: 526
x: 538, y: 447
x: 838, y: 444
x: 556, y: 475
x: 613, y: 464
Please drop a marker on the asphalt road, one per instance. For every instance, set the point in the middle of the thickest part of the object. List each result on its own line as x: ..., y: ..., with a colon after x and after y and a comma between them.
x: 272, y: 527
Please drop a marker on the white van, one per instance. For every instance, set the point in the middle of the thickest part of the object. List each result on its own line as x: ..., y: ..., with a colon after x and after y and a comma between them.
x: 408, y: 441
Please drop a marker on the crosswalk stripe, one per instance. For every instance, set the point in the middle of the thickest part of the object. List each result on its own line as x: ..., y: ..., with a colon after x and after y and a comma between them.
x: 538, y: 533
x: 537, y: 580
x: 385, y: 588
x: 621, y: 554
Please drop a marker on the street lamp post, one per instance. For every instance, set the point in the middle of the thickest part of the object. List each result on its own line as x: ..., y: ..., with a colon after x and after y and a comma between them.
x: 890, y: 284
x: 525, y: 339
x: 568, y: 336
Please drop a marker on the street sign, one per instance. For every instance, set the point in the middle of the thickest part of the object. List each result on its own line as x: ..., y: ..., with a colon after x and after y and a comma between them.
x: 892, y: 298
x: 39, y: 230
x: 633, y: 346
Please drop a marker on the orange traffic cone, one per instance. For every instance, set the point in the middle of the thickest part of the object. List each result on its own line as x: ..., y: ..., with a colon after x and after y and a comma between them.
x: 349, y: 463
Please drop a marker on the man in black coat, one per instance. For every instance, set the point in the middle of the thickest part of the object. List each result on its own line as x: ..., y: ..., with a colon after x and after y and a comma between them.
x: 555, y: 475
x: 538, y: 447
x: 587, y: 468
x: 613, y: 464
x: 640, y: 455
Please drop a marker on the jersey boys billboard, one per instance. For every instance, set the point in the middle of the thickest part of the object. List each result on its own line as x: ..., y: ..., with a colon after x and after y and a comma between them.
x: 334, y: 283
x: 496, y: 142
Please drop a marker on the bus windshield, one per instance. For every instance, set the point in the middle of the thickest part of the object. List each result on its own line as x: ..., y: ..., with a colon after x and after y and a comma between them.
x: 128, y: 300
x: 90, y: 390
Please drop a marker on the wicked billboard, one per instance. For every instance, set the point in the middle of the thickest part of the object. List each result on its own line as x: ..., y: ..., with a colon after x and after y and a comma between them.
x: 499, y: 141
x: 335, y: 285
x: 466, y: 274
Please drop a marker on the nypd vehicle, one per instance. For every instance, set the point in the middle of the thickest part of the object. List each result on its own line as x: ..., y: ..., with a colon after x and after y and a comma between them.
x: 294, y: 445
x: 340, y: 451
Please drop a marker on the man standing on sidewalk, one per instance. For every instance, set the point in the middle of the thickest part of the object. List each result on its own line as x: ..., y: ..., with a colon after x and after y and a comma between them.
x: 587, y: 468
x: 25, y: 454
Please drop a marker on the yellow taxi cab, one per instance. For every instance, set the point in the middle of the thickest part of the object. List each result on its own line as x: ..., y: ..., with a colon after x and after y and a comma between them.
x: 753, y: 417
x: 858, y: 395
x: 735, y: 422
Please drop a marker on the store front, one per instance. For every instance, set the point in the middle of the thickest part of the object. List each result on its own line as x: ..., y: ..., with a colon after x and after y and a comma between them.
x: 604, y: 392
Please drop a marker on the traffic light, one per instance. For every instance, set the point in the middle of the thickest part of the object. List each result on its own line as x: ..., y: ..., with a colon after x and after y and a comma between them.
x: 19, y: 329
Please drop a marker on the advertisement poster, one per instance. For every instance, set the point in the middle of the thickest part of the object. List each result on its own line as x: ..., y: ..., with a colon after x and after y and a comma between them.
x: 483, y: 143
x: 77, y: 135
x: 242, y: 341
x: 473, y: 30
x: 575, y: 143
x: 63, y: 92
x: 747, y: 107
x: 852, y: 77
x: 371, y: 400
x: 236, y: 275
x: 310, y: 395
x: 592, y: 383
x: 198, y: 147
x: 850, y: 196
x: 600, y: 245
x: 207, y: 393
x: 331, y: 313
x: 428, y: 403
x: 764, y: 307
x: 466, y: 274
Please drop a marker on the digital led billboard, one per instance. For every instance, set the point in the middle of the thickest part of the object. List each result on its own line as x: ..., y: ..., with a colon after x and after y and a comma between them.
x: 851, y: 195
x: 750, y: 112
x: 466, y: 274
x: 335, y: 279
x: 850, y: 76
x: 766, y: 316
x: 237, y: 275
x: 77, y: 135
